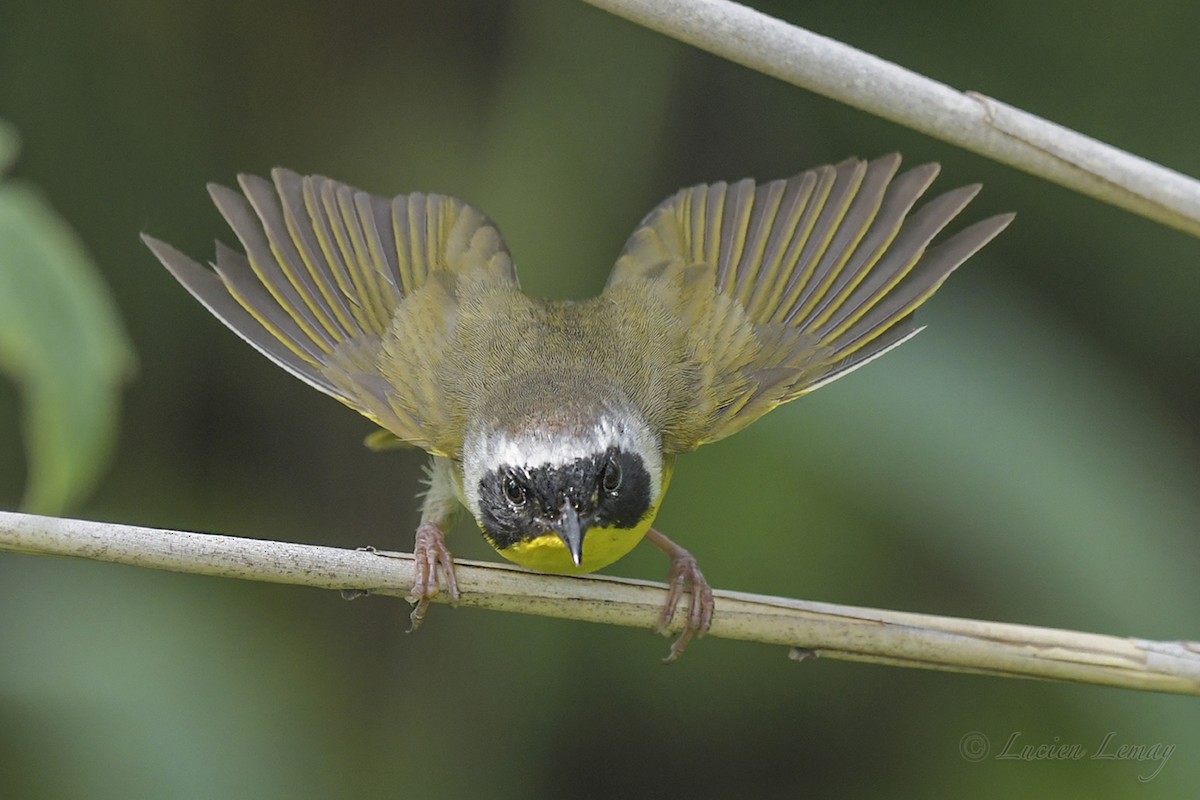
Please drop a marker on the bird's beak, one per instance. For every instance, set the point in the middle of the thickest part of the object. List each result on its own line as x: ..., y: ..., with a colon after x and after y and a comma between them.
x: 569, y: 529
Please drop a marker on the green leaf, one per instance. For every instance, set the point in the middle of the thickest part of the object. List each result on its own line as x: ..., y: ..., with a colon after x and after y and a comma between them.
x: 61, y: 340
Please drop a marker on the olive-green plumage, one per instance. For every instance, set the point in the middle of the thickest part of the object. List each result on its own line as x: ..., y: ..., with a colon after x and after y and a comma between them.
x: 728, y: 300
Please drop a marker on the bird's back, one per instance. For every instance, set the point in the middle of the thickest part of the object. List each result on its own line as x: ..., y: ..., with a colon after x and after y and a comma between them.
x: 516, y: 362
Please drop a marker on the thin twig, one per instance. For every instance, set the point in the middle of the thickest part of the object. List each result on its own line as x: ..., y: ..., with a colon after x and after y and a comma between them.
x: 968, y: 119
x: 843, y: 632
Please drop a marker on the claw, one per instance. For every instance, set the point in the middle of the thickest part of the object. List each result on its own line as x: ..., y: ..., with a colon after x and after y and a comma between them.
x: 686, y: 576
x: 433, y: 561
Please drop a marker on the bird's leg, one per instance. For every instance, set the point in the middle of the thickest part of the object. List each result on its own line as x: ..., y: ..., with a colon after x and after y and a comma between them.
x: 685, y: 576
x: 432, y: 558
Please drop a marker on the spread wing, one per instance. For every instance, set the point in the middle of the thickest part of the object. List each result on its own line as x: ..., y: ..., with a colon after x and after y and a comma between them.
x: 329, y: 283
x: 788, y: 285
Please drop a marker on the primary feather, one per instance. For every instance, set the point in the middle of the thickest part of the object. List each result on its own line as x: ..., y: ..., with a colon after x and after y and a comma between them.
x: 794, y: 283
x: 326, y: 272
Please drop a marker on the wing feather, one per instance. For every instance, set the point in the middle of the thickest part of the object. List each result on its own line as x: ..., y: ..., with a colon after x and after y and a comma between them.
x: 808, y: 278
x: 327, y: 271
x: 295, y: 242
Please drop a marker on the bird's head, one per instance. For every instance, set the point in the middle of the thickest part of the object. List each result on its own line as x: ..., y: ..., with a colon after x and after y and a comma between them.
x: 566, y: 499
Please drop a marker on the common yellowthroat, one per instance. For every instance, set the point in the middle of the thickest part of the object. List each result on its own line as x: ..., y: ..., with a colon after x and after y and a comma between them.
x: 557, y: 423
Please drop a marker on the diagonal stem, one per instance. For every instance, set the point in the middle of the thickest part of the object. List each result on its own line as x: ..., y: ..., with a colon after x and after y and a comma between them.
x: 967, y: 119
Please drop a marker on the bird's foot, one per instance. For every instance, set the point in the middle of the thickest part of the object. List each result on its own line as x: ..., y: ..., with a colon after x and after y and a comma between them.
x: 433, y: 561
x: 685, y: 576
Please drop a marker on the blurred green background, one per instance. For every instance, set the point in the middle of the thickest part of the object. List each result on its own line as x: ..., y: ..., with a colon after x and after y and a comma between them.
x: 1032, y: 457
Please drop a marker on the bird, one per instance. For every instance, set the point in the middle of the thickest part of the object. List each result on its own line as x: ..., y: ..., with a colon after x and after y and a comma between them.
x: 557, y: 423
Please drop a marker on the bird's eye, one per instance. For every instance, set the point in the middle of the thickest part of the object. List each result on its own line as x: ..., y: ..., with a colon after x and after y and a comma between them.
x: 514, y: 491
x: 612, y: 476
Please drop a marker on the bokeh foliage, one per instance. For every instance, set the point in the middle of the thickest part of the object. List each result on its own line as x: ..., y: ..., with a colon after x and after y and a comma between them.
x: 61, y: 342
x: 1031, y: 457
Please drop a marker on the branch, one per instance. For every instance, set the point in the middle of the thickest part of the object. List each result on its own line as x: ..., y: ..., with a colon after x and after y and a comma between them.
x: 967, y: 119
x: 832, y: 631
